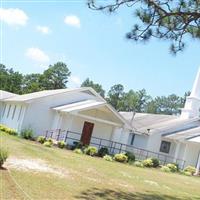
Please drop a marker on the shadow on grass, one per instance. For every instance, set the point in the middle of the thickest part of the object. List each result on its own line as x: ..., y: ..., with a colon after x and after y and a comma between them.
x: 108, y: 194
x: 2, y: 168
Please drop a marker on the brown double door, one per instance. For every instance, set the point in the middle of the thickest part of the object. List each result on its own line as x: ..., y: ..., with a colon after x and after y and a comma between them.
x: 87, y: 133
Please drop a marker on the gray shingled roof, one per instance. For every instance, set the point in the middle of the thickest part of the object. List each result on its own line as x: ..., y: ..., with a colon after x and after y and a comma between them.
x: 145, y: 123
x: 187, y: 133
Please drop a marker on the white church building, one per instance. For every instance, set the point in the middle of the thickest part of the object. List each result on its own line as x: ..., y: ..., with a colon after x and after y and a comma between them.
x: 83, y: 115
x: 176, y: 137
x: 71, y: 114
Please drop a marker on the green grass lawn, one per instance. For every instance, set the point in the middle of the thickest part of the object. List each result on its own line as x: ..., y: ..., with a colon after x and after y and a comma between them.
x: 84, y: 177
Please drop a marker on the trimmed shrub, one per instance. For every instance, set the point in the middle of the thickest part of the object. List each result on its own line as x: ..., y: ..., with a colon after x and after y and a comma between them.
x: 187, y: 173
x: 47, y: 144
x: 121, y: 157
x: 50, y: 141
x: 108, y: 158
x: 173, y: 168
x: 103, y: 151
x: 91, y: 151
x: 3, y: 156
x: 131, y: 156
x: 61, y: 144
x: 77, y: 145
x: 138, y: 164
x: 165, y: 169
x: 27, y: 134
x: 78, y: 151
x: 147, y: 163
x: 190, y: 169
x: 41, y: 139
x: 156, y: 162
x: 10, y: 131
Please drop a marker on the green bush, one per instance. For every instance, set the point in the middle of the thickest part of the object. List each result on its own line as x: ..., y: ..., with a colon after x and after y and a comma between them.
x: 108, y: 158
x: 78, y: 151
x: 103, y: 151
x: 92, y: 151
x: 121, y: 157
x: 3, y: 156
x: 2, y: 127
x: 130, y: 156
x: 47, y: 144
x: 138, y: 164
x: 190, y: 169
x: 77, y: 145
x: 156, y: 162
x: 147, y: 163
x: 50, y: 141
x: 61, y: 144
x: 41, y: 139
x: 165, y: 169
x: 187, y: 173
x: 172, y: 167
x: 27, y: 134
x: 10, y: 131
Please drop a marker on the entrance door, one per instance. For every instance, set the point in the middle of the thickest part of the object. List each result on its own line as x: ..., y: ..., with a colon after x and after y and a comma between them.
x: 87, y: 133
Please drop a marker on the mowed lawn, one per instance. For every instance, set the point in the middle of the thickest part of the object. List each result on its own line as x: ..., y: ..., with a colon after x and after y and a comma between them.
x: 74, y: 176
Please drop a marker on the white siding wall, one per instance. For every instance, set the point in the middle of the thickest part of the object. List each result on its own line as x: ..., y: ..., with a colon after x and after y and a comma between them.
x: 14, y: 117
x: 101, y: 130
x: 140, y: 141
x: 121, y: 135
x: 154, y: 143
x: 40, y: 117
x: 191, y: 154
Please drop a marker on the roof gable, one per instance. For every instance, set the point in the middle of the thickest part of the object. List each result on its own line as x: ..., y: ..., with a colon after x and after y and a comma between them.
x: 6, y: 95
x: 45, y: 93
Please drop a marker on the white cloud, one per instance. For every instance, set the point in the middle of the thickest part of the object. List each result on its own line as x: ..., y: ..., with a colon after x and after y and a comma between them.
x: 72, y: 20
x: 43, y: 29
x: 13, y: 16
x: 37, y: 55
x: 75, y: 80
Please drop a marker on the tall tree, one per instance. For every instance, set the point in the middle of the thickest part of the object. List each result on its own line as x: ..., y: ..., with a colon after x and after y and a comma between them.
x: 11, y: 81
x: 129, y: 102
x: 144, y: 98
x: 170, y: 105
x: 115, y: 95
x: 171, y: 20
x: 32, y: 83
x: 97, y: 87
x: 56, y: 76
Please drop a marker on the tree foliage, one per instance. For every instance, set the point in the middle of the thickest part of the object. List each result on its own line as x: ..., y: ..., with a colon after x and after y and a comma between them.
x: 97, y: 87
x: 171, y: 20
x: 10, y: 80
x: 115, y: 96
x: 55, y: 77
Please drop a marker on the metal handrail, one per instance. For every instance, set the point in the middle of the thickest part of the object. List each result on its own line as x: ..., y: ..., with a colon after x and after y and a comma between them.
x: 112, y: 145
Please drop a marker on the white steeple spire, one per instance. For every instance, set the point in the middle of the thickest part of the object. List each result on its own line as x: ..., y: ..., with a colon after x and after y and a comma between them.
x: 196, y: 86
x: 192, y: 104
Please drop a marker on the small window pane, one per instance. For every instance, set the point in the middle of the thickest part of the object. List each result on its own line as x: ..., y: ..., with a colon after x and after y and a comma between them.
x: 165, y: 146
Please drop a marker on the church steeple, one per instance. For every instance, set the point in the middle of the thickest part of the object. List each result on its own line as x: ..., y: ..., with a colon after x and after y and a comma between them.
x: 196, y: 86
x: 192, y: 104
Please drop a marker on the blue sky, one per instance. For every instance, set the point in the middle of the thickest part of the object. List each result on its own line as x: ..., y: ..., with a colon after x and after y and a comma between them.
x: 93, y: 45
